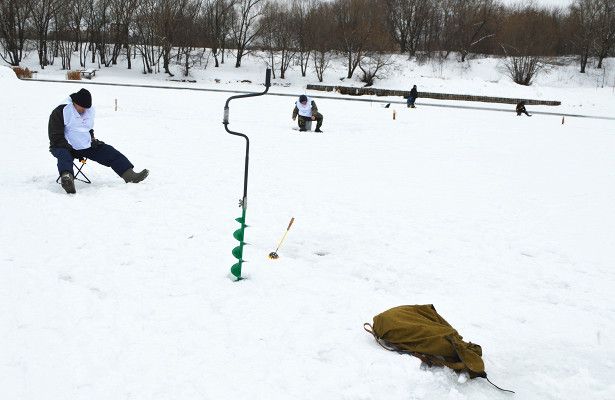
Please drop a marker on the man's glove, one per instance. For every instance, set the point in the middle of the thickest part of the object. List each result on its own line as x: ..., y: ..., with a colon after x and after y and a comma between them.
x: 96, y: 143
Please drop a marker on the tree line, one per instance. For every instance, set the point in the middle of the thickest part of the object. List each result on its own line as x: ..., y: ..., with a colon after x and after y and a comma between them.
x: 302, y: 33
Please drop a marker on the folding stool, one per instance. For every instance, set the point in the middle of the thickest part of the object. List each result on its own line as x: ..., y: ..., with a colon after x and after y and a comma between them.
x: 85, y: 179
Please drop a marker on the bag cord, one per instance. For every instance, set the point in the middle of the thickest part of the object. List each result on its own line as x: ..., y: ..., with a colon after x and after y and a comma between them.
x: 496, y: 386
x: 423, y: 357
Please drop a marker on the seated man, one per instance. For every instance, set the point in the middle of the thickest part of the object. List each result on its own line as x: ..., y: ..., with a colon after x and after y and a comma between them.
x: 307, y: 110
x: 521, y: 109
x: 71, y: 135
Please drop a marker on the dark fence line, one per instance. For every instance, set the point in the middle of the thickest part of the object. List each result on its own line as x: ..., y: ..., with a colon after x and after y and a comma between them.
x: 355, y: 91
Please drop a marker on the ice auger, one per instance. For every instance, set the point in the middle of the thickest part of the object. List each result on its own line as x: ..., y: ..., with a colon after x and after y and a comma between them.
x: 239, y: 234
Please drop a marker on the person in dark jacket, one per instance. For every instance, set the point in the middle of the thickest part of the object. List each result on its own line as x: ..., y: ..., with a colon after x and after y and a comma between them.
x: 71, y: 135
x: 306, y: 109
x: 412, y: 98
x: 521, y: 109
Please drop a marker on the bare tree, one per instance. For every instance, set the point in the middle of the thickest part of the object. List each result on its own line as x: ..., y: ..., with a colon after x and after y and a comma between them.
x: 585, y: 16
x: 187, y: 41
x: 14, y: 21
x: 285, y: 42
x: 605, y: 40
x: 244, y: 26
x: 62, y: 33
x: 374, y: 66
x: 216, y: 21
x: 354, y: 27
x: 146, y: 35
x: 470, y: 22
x: 526, y: 36
x: 300, y: 14
x: 321, y: 29
x: 523, y: 68
x: 99, y: 24
x: 168, y: 20
x: 75, y: 12
x: 377, y: 59
x: 442, y: 29
x: 42, y: 14
x: 406, y: 22
x: 122, y: 14
x: 268, y: 28
x: 277, y: 35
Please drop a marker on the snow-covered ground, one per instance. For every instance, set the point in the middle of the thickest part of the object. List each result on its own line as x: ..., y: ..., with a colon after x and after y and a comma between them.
x: 504, y: 223
x: 592, y: 93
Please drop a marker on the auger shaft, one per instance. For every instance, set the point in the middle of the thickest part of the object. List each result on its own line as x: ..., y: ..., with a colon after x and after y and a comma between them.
x: 243, y: 203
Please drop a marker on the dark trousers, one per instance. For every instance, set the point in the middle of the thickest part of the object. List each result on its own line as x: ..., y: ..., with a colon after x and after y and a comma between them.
x: 411, y: 101
x: 301, y: 121
x: 101, y: 153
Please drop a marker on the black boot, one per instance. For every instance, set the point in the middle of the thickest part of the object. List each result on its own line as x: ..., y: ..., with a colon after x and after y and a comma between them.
x: 134, y: 177
x: 68, y: 182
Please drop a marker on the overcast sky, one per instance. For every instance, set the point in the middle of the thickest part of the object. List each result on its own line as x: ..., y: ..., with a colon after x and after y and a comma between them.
x: 560, y: 3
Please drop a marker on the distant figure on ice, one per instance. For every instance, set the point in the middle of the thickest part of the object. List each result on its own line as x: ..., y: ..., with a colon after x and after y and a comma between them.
x: 521, y: 109
x: 412, y: 97
x: 71, y: 135
x: 306, y: 109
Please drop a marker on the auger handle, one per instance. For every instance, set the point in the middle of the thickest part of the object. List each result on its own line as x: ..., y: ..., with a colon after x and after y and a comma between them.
x: 290, y: 223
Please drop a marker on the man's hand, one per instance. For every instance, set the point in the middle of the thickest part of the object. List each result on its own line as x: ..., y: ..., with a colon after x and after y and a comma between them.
x: 96, y: 143
x: 313, y: 118
x: 294, y: 117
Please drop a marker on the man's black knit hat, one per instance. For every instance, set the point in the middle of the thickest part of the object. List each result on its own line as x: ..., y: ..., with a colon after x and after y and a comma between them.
x: 302, y: 98
x: 82, y: 98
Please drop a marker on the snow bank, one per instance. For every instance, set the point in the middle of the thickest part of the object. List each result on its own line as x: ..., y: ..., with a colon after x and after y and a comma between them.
x: 7, y: 75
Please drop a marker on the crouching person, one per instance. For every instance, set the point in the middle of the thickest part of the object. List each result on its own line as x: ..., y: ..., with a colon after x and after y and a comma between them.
x: 307, y: 111
x: 71, y: 135
x: 521, y: 109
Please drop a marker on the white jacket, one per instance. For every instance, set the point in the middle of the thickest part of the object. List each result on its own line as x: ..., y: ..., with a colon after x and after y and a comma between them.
x: 305, y: 110
x: 77, y: 126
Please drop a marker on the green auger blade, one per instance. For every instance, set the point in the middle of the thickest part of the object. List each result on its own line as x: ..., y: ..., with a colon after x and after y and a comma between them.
x: 236, y: 270
x: 238, y: 252
x: 238, y: 234
x: 241, y: 221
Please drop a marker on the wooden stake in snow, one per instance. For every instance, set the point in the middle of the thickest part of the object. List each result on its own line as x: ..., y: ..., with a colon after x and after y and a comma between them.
x: 394, y: 114
x: 562, y: 120
x: 115, y: 104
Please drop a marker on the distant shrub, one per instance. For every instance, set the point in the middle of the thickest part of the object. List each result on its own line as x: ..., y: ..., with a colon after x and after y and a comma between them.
x: 22, y: 72
x: 73, y: 75
x: 422, y: 57
x: 374, y: 66
x: 523, y: 69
